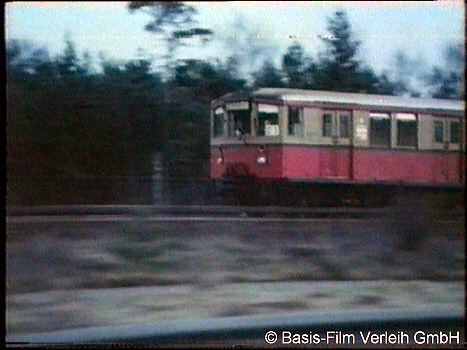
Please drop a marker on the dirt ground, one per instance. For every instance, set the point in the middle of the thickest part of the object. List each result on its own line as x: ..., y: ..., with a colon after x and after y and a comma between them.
x: 67, y: 275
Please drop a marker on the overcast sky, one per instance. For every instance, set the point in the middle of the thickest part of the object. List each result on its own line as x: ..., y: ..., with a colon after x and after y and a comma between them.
x: 420, y: 29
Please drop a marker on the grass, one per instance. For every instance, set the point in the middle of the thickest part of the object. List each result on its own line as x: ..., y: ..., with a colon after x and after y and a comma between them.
x: 171, y: 253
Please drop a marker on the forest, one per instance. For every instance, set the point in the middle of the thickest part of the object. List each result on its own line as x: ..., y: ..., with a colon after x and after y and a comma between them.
x: 76, y: 134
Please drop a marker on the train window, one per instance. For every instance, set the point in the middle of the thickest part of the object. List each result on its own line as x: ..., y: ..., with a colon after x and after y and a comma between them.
x: 454, y: 130
x: 439, y: 131
x: 380, y: 130
x: 406, y: 129
x: 344, y: 126
x: 241, y: 120
x: 218, y: 122
x: 268, y: 120
x: 327, y: 125
x: 295, y: 125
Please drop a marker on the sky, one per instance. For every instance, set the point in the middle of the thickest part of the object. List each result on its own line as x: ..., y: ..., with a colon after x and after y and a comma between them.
x: 420, y: 29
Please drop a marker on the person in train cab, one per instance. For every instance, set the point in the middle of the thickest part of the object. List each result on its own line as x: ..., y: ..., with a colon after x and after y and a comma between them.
x: 238, y: 130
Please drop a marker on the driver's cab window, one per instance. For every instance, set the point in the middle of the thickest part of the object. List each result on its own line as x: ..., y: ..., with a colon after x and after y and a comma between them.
x: 218, y: 122
x: 268, y: 120
x: 239, y: 116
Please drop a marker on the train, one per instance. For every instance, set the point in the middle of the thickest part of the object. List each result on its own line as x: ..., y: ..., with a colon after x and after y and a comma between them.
x: 282, y: 146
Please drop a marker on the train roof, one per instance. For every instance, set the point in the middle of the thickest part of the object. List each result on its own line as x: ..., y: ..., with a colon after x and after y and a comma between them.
x: 358, y: 99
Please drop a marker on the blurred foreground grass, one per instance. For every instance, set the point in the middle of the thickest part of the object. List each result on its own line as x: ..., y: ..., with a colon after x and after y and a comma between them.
x: 84, y: 274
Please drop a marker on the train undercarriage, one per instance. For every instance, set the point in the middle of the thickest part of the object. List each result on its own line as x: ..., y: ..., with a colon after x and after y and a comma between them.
x: 250, y: 191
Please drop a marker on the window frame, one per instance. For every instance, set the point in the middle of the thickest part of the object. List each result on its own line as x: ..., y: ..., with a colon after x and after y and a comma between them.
x: 324, y: 130
x: 400, y: 119
x: 451, y: 122
x: 235, y: 120
x: 219, y: 121
x: 263, y: 116
x: 380, y: 117
x: 291, y: 130
x: 347, y: 118
x: 230, y: 110
x: 442, y: 123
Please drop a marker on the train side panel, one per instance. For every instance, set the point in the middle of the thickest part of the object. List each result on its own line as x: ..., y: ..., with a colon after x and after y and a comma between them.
x: 370, y: 166
x: 406, y: 167
x: 241, y: 161
x: 308, y: 163
x: 303, y: 163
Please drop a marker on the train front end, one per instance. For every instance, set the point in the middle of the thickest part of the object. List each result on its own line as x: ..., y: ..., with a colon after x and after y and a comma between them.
x: 246, y: 137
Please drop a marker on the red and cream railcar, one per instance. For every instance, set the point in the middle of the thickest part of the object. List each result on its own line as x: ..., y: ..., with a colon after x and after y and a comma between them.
x: 333, y: 141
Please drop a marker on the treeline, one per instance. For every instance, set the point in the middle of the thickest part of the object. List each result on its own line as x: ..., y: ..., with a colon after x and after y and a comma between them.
x: 76, y: 134
x: 339, y: 69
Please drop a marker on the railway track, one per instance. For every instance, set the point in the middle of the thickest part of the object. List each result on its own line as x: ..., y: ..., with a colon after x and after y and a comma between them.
x: 255, y: 329
x: 167, y: 211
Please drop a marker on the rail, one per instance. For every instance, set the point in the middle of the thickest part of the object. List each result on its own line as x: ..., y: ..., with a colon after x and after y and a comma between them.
x: 252, y: 329
x: 223, y: 211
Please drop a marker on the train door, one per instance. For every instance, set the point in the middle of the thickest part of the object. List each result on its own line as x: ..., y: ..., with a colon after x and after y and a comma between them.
x: 447, y: 139
x: 337, y: 126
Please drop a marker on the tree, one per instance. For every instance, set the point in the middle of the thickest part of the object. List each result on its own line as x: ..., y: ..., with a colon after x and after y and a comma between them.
x: 205, y: 80
x: 13, y: 51
x: 385, y: 85
x: 79, y: 137
x: 247, y: 47
x: 172, y: 21
x: 339, y: 67
x: 448, y: 81
x: 268, y: 76
x: 311, y: 74
x: 366, y: 81
x: 340, y: 42
x: 68, y: 62
x: 190, y: 90
x: 293, y: 66
x: 25, y: 57
x: 405, y: 74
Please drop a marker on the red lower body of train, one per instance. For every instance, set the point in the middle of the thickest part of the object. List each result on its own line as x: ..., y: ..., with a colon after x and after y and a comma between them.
x: 309, y: 175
